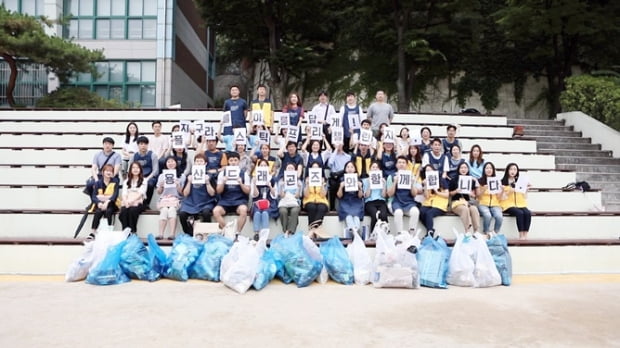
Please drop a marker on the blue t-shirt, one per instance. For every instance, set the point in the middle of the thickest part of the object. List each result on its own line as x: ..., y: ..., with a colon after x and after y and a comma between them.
x: 237, y: 108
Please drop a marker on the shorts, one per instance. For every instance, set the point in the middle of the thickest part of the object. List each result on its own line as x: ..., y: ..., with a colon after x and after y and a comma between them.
x: 166, y: 213
x: 231, y: 209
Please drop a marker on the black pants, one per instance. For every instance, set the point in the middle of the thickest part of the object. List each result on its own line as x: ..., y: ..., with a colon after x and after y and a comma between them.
x: 523, y: 217
x: 204, y: 215
x: 129, y: 217
x: 334, y: 184
x: 372, y: 208
x: 316, y: 211
x: 108, y: 213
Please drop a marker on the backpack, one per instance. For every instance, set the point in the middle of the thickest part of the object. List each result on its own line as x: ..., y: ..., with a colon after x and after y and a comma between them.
x: 583, y: 186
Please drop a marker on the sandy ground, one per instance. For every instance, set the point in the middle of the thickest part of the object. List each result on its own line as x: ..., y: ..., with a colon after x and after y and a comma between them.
x: 567, y: 310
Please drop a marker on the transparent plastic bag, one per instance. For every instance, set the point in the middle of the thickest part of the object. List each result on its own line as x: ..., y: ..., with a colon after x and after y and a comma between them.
x: 498, y: 247
x: 433, y: 257
x: 362, y: 263
x: 395, y: 264
x: 485, y: 272
x: 337, y: 262
x: 185, y: 251
x: 109, y: 271
x: 135, y: 260
x: 240, y: 265
x: 461, y: 265
x: 78, y: 269
x: 208, y: 263
x: 296, y: 264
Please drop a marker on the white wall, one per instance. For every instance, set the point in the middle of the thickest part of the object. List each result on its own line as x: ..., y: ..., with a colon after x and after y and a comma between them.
x: 600, y: 133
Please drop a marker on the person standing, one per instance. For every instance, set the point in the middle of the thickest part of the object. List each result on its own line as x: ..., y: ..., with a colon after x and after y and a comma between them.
x: 238, y: 108
x: 350, y: 110
x: 264, y: 104
x: 380, y: 112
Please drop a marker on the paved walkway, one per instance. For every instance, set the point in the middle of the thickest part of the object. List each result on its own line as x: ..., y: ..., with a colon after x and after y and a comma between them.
x: 557, y: 310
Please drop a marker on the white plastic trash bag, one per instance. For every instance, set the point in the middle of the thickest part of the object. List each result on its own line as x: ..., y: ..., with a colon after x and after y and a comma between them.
x: 362, y: 263
x: 240, y: 265
x: 78, y: 270
x: 461, y: 266
x: 485, y: 272
x: 395, y: 267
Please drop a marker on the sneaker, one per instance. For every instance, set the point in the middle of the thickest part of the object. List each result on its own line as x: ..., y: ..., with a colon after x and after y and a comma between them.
x: 91, y: 237
x: 256, y: 236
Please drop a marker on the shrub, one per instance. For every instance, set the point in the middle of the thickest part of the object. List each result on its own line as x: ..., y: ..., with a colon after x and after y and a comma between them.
x: 598, y: 97
x: 78, y: 98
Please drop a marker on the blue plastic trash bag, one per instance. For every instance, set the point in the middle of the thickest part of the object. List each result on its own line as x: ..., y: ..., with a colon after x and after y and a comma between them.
x: 185, y: 251
x: 157, y: 257
x: 337, y: 262
x: 109, y: 271
x: 433, y: 257
x: 207, y: 266
x: 498, y: 246
x: 135, y: 260
x: 267, y: 269
x: 298, y: 264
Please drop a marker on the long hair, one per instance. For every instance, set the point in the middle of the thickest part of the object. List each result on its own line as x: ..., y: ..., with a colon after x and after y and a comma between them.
x: 418, y: 156
x: 130, y: 175
x: 479, y: 160
x: 128, y: 136
x: 506, y: 176
x: 483, y: 178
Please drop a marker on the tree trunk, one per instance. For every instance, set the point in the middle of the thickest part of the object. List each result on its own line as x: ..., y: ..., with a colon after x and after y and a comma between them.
x: 12, y: 78
x: 403, y: 102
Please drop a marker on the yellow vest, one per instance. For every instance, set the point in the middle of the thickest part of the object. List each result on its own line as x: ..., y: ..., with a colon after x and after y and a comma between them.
x: 109, y: 191
x: 436, y: 201
x: 415, y: 169
x: 514, y: 199
x: 488, y: 199
x: 267, y: 112
x: 314, y: 196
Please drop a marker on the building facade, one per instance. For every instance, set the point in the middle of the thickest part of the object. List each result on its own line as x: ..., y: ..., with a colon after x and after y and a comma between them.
x: 158, y: 52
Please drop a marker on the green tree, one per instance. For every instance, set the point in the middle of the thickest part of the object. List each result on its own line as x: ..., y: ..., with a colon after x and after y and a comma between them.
x: 23, y: 38
x: 555, y: 36
x: 78, y: 98
x: 292, y: 38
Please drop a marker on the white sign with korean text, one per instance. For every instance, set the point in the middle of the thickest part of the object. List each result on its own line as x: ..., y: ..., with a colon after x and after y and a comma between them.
x: 494, y: 184
x: 198, y: 174
x: 262, y: 176
x: 240, y: 135
x: 404, y: 179
x: 315, y: 177
x: 350, y: 182
x: 209, y: 131
x: 290, y: 180
x: 465, y: 184
x: 178, y: 140
x: 365, y: 136
x: 376, y: 179
x: 226, y: 119
x: 232, y: 175
x: 316, y: 131
x: 170, y: 176
x: 432, y: 180
x: 264, y: 137
x: 337, y: 135
x: 522, y: 184
x: 354, y: 121
x: 257, y: 117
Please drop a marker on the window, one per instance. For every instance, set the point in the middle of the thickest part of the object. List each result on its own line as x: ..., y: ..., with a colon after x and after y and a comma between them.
x: 30, y: 7
x: 111, y: 19
x: 127, y: 81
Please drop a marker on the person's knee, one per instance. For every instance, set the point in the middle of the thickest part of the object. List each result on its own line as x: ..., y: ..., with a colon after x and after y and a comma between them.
x: 218, y: 211
x: 242, y: 210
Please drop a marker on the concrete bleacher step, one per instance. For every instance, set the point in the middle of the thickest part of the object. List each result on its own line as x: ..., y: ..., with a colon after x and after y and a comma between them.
x: 563, y: 139
x: 579, y: 153
x: 552, y: 146
x: 47, y: 199
x: 584, y: 168
x: 577, y: 159
x: 544, y: 131
x: 561, y: 226
x: 529, y: 121
x: 74, y: 176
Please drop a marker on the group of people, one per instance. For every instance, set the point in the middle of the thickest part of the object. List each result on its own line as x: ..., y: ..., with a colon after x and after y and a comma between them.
x: 349, y: 162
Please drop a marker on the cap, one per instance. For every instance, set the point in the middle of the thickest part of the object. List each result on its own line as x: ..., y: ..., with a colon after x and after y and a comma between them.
x: 108, y: 140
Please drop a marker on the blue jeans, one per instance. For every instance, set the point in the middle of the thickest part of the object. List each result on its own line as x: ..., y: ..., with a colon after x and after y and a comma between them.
x: 260, y: 220
x: 352, y: 222
x: 489, y: 213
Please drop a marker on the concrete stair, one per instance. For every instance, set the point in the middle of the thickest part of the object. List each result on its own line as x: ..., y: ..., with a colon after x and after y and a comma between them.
x: 576, y: 153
